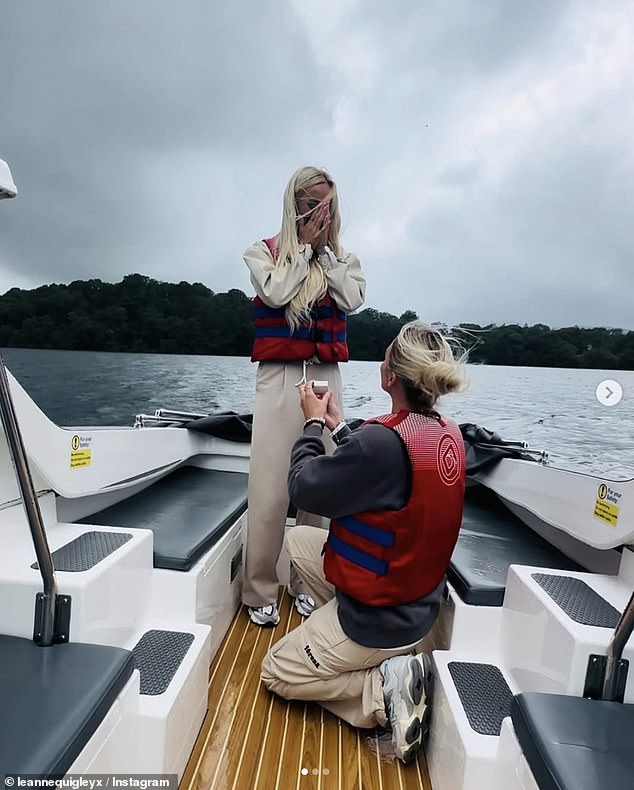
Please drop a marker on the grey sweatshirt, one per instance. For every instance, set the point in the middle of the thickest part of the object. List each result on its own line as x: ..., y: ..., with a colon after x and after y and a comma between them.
x: 369, y: 470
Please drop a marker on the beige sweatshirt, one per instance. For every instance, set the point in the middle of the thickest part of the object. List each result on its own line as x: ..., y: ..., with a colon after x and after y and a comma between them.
x: 276, y: 286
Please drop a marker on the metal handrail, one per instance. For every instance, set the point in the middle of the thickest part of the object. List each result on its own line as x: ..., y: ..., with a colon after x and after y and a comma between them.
x: 178, y: 414
x: 621, y: 634
x: 166, y: 417
x: 31, y: 507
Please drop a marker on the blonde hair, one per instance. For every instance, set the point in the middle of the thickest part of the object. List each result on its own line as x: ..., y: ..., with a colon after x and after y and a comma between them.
x: 424, y: 361
x: 314, y: 286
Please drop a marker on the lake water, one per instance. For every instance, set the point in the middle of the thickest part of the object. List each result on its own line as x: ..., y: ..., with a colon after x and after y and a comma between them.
x: 552, y: 409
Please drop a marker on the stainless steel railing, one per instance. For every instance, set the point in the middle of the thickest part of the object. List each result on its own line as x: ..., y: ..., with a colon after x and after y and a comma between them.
x: 165, y: 417
x: 612, y: 683
x: 33, y: 514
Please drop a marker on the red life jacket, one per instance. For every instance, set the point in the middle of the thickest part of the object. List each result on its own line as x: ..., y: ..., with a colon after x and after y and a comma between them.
x: 324, y: 335
x: 392, y: 557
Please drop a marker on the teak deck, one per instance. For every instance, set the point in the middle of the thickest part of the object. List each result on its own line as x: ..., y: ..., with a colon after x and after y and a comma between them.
x: 253, y: 740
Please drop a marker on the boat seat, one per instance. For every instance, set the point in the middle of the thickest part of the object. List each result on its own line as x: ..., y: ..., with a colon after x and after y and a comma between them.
x: 53, y: 699
x: 492, y: 538
x: 188, y: 511
x: 573, y: 743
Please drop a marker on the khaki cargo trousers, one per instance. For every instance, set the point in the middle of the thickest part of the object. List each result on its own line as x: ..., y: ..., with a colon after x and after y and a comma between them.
x: 317, y: 661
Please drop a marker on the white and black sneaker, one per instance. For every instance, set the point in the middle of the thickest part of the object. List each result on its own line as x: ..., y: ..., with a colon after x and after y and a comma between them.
x: 406, y: 687
x: 264, y: 615
x: 304, y: 604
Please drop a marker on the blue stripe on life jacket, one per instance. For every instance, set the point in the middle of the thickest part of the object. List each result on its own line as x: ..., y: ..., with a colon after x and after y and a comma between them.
x: 356, y: 556
x: 381, y: 537
x: 321, y: 312
x: 282, y: 331
x: 327, y: 311
x: 264, y: 311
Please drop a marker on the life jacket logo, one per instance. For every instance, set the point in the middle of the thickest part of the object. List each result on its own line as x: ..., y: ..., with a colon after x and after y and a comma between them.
x: 448, y: 460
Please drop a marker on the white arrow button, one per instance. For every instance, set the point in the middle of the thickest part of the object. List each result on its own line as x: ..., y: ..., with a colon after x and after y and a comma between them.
x: 609, y: 392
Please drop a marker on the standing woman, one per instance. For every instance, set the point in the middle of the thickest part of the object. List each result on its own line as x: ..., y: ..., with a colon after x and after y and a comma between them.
x: 305, y: 285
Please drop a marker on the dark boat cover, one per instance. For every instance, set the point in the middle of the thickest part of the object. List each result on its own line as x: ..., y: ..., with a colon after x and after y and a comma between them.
x: 225, y: 425
x: 484, y: 448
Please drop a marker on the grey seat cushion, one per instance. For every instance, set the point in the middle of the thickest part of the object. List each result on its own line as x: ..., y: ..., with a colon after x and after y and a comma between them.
x: 53, y: 699
x: 492, y: 538
x: 572, y: 743
x: 188, y: 511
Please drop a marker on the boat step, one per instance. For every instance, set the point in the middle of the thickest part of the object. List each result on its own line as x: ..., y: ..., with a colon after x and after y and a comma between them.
x: 579, y: 601
x: 553, y: 622
x: 485, y: 695
x: 470, y: 702
x: 157, y: 656
x: 86, y: 551
x: 156, y: 735
x: 167, y: 724
x: 209, y: 592
x: 106, y: 575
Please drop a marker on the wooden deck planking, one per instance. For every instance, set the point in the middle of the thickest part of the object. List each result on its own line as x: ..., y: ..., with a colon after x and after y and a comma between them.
x: 253, y: 740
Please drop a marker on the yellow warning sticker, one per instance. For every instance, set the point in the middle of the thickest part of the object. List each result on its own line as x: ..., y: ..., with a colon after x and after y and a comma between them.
x: 79, y: 459
x: 80, y: 452
x: 607, y: 505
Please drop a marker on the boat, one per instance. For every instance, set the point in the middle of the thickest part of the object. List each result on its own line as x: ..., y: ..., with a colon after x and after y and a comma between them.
x: 125, y: 653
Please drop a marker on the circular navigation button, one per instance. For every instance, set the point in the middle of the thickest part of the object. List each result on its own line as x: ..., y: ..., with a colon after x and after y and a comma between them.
x: 609, y: 392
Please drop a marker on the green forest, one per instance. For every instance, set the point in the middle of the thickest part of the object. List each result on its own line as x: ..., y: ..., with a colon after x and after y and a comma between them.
x: 141, y: 314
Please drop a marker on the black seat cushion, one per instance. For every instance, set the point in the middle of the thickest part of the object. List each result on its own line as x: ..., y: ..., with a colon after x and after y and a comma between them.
x: 572, y: 743
x: 188, y: 511
x: 492, y: 538
x: 53, y: 699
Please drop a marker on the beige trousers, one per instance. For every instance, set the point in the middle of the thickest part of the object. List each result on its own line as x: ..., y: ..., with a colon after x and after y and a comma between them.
x: 277, y: 423
x: 317, y: 661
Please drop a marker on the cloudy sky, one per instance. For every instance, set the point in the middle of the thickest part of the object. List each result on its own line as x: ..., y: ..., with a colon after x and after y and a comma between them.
x: 483, y: 149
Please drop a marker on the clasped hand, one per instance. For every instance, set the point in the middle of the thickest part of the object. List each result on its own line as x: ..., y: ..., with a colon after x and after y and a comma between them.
x: 319, y: 406
x: 314, y: 229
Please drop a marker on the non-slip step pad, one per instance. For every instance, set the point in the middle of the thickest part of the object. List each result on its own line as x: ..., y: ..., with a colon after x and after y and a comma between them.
x: 53, y: 699
x: 485, y: 695
x: 188, y: 512
x: 492, y: 538
x: 572, y: 743
x: 579, y: 601
x: 86, y: 551
x: 157, y: 655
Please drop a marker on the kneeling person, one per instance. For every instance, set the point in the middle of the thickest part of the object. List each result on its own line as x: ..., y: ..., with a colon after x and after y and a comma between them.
x: 394, y: 491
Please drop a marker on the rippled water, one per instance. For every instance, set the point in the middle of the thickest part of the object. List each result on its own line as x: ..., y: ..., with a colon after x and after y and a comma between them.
x: 553, y: 409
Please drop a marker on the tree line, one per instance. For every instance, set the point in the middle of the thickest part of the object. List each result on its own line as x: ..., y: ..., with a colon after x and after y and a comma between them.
x: 141, y: 314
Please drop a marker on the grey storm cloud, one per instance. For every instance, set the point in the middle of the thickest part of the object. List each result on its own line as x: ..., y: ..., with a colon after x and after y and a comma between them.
x: 483, y: 150
x: 103, y: 105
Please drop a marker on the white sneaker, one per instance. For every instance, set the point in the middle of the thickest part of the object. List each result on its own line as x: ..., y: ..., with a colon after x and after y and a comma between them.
x: 264, y: 615
x: 305, y: 604
x: 406, y: 687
